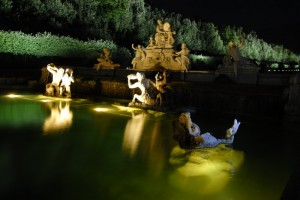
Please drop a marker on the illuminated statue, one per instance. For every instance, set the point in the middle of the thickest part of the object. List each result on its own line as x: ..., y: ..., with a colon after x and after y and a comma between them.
x: 67, y: 79
x: 57, y: 74
x: 139, y: 55
x: 162, y: 87
x: 151, y: 42
x: 236, y: 67
x: 105, y: 61
x: 159, y: 53
x: 182, y: 56
x: 235, y: 55
x: 188, y: 134
x: 143, y: 84
x: 164, y: 35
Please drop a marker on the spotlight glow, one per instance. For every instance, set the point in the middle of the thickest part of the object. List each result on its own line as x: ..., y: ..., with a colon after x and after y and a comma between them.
x: 99, y: 109
x: 13, y: 95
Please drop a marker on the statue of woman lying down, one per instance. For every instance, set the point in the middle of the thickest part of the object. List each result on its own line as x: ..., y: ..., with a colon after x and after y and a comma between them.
x: 188, y: 134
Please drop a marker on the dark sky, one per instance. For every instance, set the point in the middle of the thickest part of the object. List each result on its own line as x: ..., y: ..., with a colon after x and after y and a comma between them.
x: 276, y: 21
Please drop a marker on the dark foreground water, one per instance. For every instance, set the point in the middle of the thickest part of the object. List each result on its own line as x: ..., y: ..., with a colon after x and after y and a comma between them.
x: 79, y: 149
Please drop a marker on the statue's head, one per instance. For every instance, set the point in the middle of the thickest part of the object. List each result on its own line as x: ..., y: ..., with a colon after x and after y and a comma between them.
x: 159, y: 21
x: 69, y: 71
x: 183, y: 45
x: 61, y: 70
x: 51, y: 65
x: 140, y: 75
x: 185, y: 119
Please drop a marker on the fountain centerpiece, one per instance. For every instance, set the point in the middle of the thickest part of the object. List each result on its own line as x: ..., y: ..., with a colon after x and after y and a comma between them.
x: 159, y: 54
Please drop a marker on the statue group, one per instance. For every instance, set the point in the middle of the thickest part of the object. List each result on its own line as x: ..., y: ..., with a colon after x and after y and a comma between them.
x: 150, y: 94
x: 61, y: 81
x: 159, y: 53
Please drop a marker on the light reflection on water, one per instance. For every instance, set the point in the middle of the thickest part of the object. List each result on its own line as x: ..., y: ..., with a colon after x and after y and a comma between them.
x: 60, y: 118
x: 209, y: 169
x: 91, y: 150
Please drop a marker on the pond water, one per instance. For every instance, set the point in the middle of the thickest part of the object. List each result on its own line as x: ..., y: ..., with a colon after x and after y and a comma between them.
x: 54, y: 148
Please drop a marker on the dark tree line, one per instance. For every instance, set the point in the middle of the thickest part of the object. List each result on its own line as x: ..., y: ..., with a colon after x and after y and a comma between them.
x: 130, y: 21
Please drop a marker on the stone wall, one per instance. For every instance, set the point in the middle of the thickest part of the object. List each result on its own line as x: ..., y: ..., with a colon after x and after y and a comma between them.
x: 190, y: 89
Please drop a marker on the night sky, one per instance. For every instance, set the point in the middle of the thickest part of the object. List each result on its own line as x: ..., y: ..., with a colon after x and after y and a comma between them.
x: 275, y: 21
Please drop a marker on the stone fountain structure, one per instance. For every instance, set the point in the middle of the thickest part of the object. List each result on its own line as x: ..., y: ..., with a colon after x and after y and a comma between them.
x: 159, y: 54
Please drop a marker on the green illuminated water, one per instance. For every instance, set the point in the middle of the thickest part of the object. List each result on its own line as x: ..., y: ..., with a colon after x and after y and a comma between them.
x: 80, y: 149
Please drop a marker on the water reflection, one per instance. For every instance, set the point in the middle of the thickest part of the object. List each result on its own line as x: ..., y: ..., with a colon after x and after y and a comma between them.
x: 61, y: 117
x: 143, y: 135
x: 204, y: 171
x: 133, y: 131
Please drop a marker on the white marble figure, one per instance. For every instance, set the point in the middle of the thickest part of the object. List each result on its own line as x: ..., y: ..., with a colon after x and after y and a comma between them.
x: 57, y: 74
x: 143, y: 84
x: 188, y: 134
x: 67, y: 79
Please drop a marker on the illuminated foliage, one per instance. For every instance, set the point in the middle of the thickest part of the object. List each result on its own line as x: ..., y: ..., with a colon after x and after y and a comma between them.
x: 124, y: 22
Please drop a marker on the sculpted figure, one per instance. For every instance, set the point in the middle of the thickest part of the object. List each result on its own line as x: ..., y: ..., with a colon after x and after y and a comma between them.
x: 57, y: 74
x: 164, y: 34
x: 67, y: 79
x: 182, y: 56
x: 169, y: 34
x: 140, y: 55
x: 188, y: 134
x: 143, y: 84
x: 161, y: 86
x: 234, y: 53
x: 151, y: 42
x: 160, y: 34
x: 104, y: 60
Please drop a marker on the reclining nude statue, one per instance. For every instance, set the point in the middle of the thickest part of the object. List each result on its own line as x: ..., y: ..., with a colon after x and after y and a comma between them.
x: 188, y: 134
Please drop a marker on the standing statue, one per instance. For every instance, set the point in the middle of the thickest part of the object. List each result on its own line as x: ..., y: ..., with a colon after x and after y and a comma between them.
x: 143, y: 84
x: 57, y: 74
x: 140, y: 55
x: 67, y: 79
x: 182, y: 56
x: 188, y: 134
x: 234, y: 53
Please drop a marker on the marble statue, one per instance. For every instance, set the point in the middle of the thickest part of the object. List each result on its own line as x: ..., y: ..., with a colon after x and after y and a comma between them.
x: 52, y: 89
x: 188, y: 134
x: 236, y: 67
x: 159, y: 53
x: 61, y: 81
x: 182, y: 56
x: 105, y: 61
x: 234, y: 53
x: 65, y: 86
x: 143, y: 84
x: 140, y: 55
